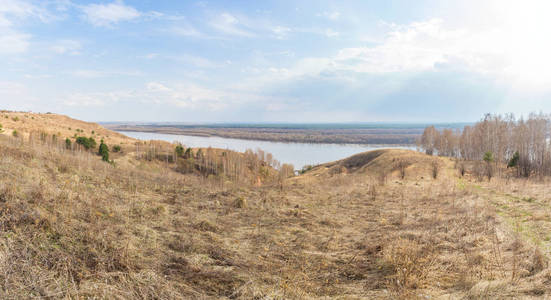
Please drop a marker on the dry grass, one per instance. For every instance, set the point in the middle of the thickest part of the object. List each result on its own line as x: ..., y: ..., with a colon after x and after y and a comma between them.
x: 60, y: 125
x: 75, y: 227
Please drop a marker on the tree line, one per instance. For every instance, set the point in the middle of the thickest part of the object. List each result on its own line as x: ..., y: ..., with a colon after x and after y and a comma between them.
x: 523, y: 144
x: 250, y: 167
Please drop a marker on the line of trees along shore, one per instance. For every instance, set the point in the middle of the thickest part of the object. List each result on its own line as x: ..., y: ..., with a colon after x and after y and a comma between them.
x: 250, y: 167
x: 523, y: 144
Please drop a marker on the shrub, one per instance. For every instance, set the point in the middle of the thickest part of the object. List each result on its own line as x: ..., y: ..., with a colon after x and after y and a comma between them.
x: 513, y: 162
x: 15, y: 119
x: 179, y: 150
x: 488, y: 157
x: 435, y: 168
x: 189, y: 153
x: 68, y: 143
x: 1, y: 130
x: 15, y: 133
x: 103, y: 151
x: 462, y: 169
x: 407, y: 262
x: 88, y: 143
x: 305, y: 169
x: 240, y: 202
x: 401, y: 166
x: 116, y: 148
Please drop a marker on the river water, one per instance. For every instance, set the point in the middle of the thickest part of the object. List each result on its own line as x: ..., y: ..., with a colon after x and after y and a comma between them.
x: 298, y: 154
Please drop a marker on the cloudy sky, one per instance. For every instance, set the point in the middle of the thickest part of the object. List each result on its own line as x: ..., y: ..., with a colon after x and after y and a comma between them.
x: 275, y: 61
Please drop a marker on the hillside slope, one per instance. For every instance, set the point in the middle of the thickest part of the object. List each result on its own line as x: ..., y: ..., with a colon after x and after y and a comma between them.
x: 360, y: 228
x: 60, y: 125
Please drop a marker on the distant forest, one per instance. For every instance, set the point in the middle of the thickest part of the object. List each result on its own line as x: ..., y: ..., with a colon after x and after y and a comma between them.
x: 522, y: 144
x: 369, y: 133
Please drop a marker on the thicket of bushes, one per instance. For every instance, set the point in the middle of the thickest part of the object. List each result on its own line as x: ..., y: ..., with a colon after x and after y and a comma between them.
x: 86, y: 142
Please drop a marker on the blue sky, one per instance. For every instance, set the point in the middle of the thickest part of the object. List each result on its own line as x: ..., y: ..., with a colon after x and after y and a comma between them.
x: 275, y: 61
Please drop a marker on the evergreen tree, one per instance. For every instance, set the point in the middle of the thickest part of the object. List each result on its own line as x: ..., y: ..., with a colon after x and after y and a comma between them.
x: 103, y: 151
x: 179, y: 150
x: 189, y: 153
x: 513, y: 162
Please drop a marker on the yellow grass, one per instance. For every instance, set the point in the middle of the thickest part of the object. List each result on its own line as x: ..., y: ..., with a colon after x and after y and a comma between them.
x: 75, y: 227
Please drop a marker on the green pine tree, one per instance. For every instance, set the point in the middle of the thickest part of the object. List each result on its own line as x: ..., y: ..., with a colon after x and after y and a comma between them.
x: 103, y: 151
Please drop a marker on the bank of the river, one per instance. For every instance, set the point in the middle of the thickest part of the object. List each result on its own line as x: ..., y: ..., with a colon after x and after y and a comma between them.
x: 298, y: 154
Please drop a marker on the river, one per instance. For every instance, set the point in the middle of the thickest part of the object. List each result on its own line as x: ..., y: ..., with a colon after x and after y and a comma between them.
x: 298, y: 154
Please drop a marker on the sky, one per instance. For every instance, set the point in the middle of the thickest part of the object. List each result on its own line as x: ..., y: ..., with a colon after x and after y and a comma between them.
x: 275, y: 61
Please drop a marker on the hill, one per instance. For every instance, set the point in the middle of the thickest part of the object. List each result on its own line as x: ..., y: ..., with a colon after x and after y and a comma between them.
x: 60, y: 125
x: 378, y: 225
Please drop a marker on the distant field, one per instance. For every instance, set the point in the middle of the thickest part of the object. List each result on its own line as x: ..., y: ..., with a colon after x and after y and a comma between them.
x: 335, y: 133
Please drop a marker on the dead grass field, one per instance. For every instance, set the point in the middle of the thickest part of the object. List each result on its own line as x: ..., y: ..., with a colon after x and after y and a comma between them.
x: 374, y: 226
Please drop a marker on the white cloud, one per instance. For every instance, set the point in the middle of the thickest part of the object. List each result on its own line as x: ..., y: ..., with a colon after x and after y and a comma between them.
x: 187, y: 59
x: 23, y: 9
x: 37, y: 76
x: 149, y: 56
x: 333, y: 15
x: 178, y: 95
x: 229, y: 24
x: 419, y: 46
x: 84, y: 73
x: 16, y: 96
x: 109, y: 14
x: 85, y: 100
x: 13, y: 42
x: 281, y: 32
x: 14, y: 88
x: 70, y: 47
x: 197, y: 61
x: 186, y: 31
x: 331, y: 33
x: 157, y: 87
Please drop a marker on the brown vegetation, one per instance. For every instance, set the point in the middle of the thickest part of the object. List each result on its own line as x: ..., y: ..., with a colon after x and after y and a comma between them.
x: 500, y: 137
x: 76, y: 227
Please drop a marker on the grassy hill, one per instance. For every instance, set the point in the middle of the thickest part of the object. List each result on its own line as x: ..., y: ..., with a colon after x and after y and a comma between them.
x: 60, y: 125
x: 383, y: 224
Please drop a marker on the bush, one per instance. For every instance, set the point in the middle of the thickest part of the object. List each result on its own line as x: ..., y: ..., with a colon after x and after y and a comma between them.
x: 189, y: 153
x: 68, y: 143
x: 116, y: 148
x: 513, y: 162
x: 87, y: 143
x: 462, y: 169
x: 305, y: 169
x: 435, y: 168
x: 103, y: 151
x: 488, y: 157
x: 179, y: 150
x: 15, y: 133
x: 401, y: 166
